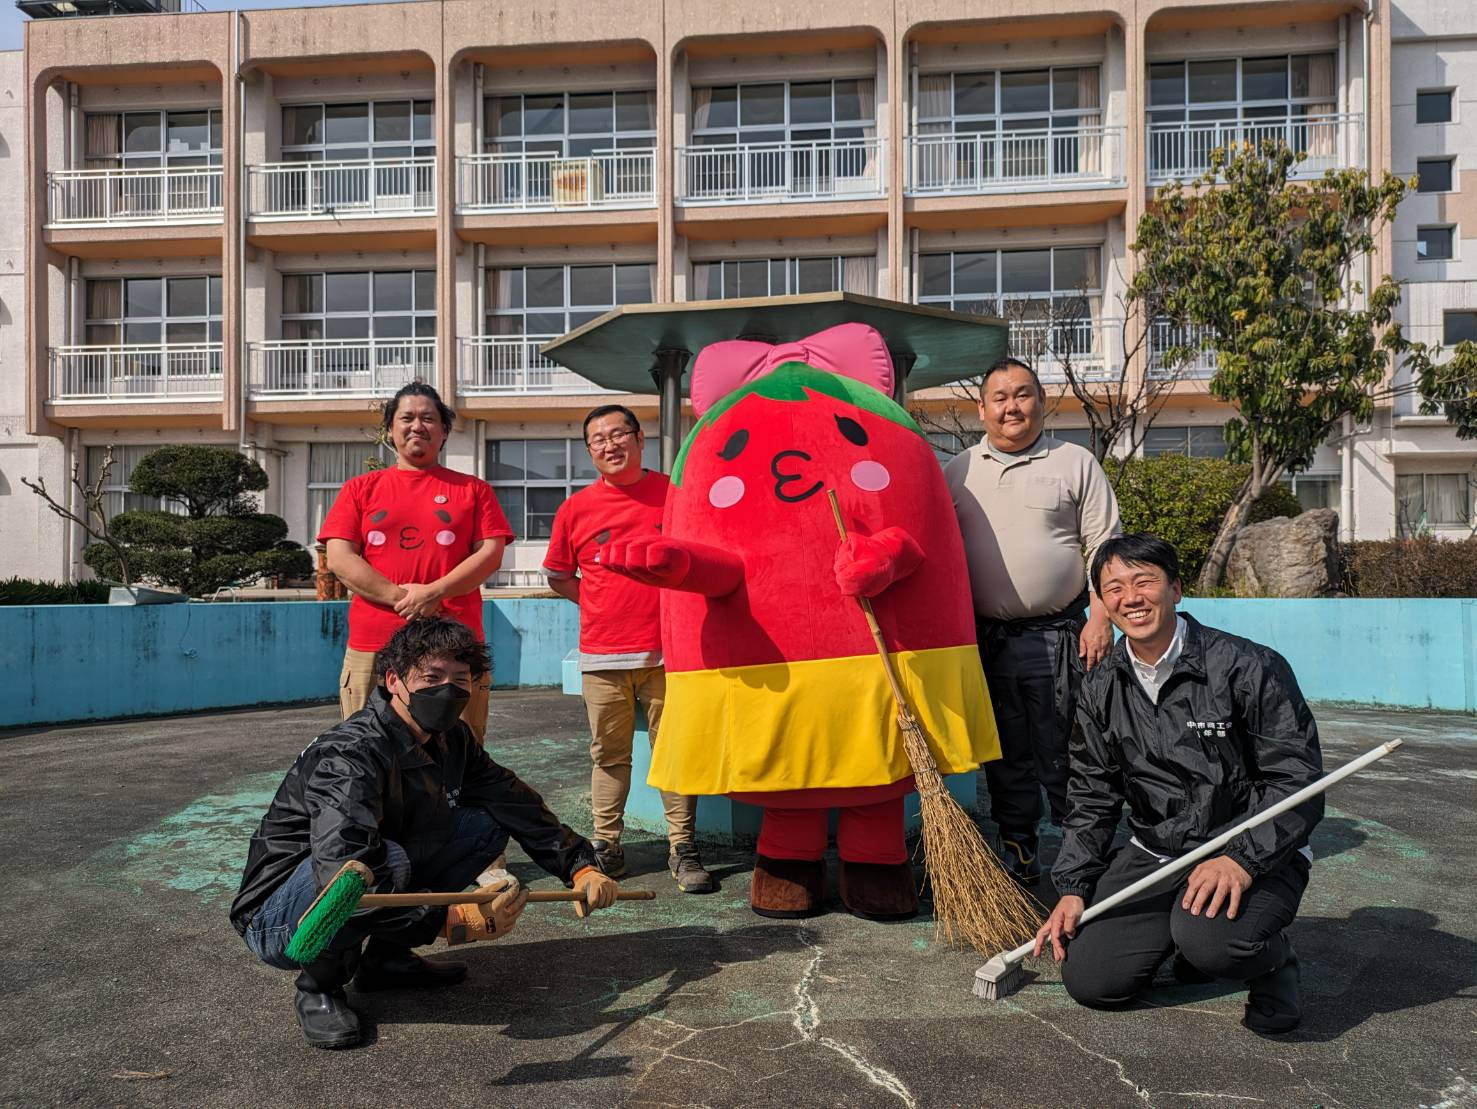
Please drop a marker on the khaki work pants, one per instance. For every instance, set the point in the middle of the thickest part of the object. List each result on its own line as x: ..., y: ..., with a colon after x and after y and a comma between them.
x: 610, y: 700
x: 356, y: 683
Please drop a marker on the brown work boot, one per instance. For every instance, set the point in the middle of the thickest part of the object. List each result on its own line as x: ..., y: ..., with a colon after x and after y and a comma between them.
x: 788, y: 889
x: 878, y: 891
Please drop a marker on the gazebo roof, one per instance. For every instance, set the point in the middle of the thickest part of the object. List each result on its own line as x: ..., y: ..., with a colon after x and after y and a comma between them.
x: 933, y: 346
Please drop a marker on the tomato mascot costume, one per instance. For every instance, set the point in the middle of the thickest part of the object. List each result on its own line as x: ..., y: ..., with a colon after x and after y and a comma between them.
x: 775, y: 694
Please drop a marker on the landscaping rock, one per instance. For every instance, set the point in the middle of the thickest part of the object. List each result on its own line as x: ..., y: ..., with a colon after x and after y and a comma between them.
x: 1287, y: 557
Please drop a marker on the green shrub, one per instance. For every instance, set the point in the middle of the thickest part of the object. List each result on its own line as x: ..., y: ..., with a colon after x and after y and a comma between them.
x: 1420, y: 567
x: 223, y: 540
x: 1183, y: 501
x: 20, y: 591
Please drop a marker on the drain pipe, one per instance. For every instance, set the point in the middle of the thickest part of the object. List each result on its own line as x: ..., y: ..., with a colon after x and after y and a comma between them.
x: 72, y: 458
x: 239, y: 169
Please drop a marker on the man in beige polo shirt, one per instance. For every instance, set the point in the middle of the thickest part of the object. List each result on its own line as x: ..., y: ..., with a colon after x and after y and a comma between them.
x: 1029, y: 506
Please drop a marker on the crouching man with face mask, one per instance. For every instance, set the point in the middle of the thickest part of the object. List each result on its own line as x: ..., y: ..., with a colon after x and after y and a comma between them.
x: 403, y: 787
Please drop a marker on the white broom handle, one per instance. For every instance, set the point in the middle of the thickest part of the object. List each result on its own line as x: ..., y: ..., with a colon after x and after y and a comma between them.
x: 1214, y: 845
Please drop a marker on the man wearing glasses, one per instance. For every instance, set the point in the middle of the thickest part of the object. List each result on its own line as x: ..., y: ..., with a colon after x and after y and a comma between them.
x: 620, y: 635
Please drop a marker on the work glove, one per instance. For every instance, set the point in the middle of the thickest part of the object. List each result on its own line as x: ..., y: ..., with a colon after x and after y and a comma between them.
x: 598, y: 889
x: 491, y: 920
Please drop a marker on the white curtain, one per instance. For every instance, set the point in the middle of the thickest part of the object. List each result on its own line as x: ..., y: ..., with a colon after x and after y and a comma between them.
x: 703, y: 285
x: 702, y: 108
x: 1089, y: 100
x: 859, y: 275
x: 1322, y: 137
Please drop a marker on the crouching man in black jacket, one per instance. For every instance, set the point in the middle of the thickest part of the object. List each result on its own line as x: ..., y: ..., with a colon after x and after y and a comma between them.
x: 403, y: 787
x: 1195, y: 730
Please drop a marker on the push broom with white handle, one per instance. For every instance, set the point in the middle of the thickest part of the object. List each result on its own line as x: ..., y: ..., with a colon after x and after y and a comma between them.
x: 1003, y: 975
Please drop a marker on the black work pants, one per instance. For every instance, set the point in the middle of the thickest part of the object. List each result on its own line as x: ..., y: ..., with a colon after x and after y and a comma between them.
x: 1114, y: 957
x: 1034, y: 674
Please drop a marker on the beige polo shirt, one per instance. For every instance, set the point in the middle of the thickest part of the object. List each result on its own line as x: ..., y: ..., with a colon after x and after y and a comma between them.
x: 1026, y: 520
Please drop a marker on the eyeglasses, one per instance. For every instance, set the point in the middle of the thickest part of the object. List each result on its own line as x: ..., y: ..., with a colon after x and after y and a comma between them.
x: 614, y: 439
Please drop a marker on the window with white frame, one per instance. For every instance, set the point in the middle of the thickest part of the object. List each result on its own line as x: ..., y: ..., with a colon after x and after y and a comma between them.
x: 384, y: 130
x: 1458, y: 327
x: 1433, y: 105
x: 533, y: 477
x: 1435, y: 244
x: 769, y: 277
x: 1295, y: 95
x: 150, y: 310
x: 1424, y: 501
x: 148, y: 139
x: 572, y: 124
x: 1020, y: 283
x: 784, y: 112
x: 118, y: 496
x: 380, y: 306
x: 1434, y: 175
x: 1194, y: 441
x: 979, y: 126
x: 1316, y: 490
x: 549, y: 300
x: 329, y: 466
x: 1278, y: 87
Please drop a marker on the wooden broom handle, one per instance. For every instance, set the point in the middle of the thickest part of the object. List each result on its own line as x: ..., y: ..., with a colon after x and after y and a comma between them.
x: 483, y: 896
x: 866, y: 603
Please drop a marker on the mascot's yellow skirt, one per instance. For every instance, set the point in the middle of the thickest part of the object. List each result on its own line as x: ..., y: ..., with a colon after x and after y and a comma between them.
x: 822, y: 724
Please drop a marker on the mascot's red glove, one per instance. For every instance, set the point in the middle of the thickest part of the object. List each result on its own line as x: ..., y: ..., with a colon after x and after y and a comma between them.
x: 867, y: 564
x: 674, y: 564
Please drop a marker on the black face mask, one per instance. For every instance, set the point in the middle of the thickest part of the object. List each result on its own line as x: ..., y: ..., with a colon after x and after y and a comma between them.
x: 438, y: 707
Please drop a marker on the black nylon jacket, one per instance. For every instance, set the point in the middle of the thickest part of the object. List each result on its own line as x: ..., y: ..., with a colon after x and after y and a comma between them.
x: 367, y: 780
x: 1230, y: 736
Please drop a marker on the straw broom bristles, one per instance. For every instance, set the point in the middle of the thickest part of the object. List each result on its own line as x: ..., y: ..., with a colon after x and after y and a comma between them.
x: 975, y: 901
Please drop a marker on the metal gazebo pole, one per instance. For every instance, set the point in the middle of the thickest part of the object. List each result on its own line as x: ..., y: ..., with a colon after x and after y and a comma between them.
x: 670, y: 364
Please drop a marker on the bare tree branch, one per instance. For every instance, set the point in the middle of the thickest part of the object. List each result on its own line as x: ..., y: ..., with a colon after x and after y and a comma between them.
x: 95, y: 524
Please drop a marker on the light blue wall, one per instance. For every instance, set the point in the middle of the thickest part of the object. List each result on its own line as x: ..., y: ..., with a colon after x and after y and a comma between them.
x: 92, y: 662
x: 1408, y: 652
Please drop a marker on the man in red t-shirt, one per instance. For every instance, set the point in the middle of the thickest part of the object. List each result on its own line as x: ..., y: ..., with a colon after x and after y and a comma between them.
x: 412, y: 540
x: 620, y: 635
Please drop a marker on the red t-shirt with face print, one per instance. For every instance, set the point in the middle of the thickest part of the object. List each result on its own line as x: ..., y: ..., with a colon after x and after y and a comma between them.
x: 413, y: 526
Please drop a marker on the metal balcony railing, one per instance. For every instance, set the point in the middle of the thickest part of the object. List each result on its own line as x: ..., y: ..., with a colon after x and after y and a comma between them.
x: 293, y: 369
x: 552, y: 182
x: 1182, y: 150
x: 744, y: 173
x: 134, y: 197
x: 137, y: 371
x: 1165, y: 335
x: 511, y: 365
x: 365, y: 188
x: 1056, y: 158
x: 1092, y: 347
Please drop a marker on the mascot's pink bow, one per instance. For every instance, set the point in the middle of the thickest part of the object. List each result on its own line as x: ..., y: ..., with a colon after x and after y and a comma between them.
x: 851, y: 350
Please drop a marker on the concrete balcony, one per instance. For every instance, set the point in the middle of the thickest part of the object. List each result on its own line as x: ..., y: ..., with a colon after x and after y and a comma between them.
x: 134, y: 197
x: 137, y: 371
x: 768, y: 173
x: 511, y: 365
x: 1181, y: 151
x: 297, y: 369
x: 1092, y: 348
x: 364, y: 189
x: 553, y: 182
x: 1015, y: 161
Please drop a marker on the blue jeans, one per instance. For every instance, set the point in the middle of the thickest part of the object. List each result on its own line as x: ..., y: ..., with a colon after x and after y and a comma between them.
x: 476, y: 839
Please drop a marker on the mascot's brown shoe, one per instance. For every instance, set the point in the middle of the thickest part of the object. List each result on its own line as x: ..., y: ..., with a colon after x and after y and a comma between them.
x: 788, y: 889
x: 879, y: 891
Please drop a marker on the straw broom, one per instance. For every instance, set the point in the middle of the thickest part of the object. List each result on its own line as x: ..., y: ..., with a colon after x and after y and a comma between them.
x: 975, y: 901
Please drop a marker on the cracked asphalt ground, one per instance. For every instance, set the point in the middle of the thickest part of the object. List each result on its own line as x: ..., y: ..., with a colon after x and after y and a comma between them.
x: 124, y: 983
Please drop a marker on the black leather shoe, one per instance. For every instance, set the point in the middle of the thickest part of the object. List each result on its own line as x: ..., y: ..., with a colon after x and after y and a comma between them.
x: 1272, y: 1002
x: 1017, y: 852
x: 322, y: 1010
x: 399, y: 968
